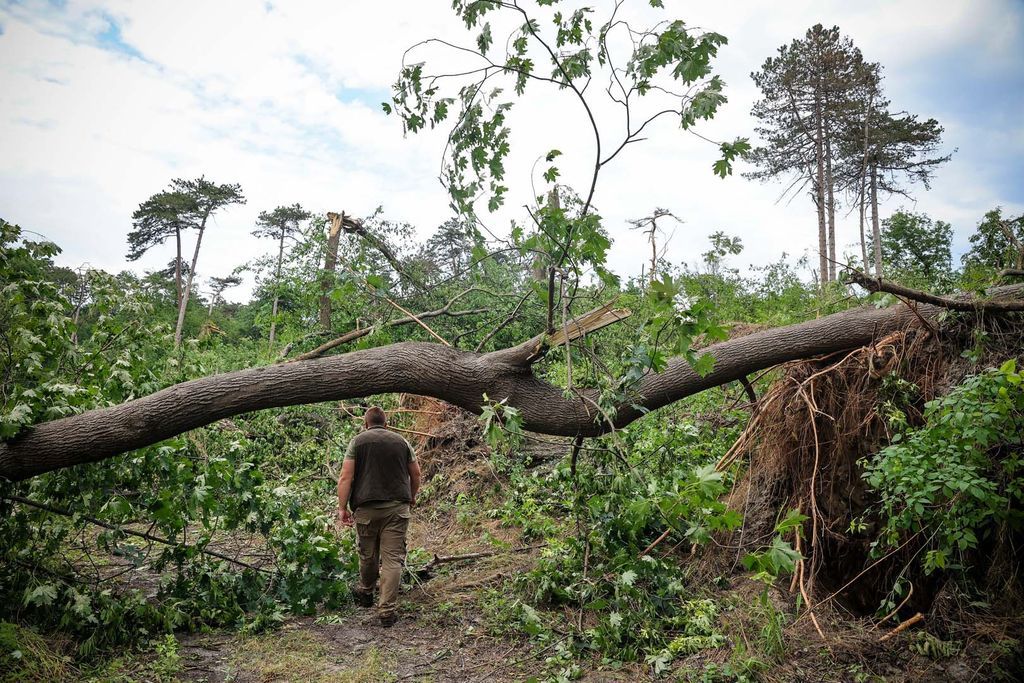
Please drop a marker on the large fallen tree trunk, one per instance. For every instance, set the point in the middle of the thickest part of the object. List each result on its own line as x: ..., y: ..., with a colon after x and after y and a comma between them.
x: 459, y: 377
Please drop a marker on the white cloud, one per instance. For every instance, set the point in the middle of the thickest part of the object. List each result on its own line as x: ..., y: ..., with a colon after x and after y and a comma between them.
x: 282, y: 98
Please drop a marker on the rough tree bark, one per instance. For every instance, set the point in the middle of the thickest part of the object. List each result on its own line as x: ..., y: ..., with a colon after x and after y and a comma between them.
x: 177, y: 266
x: 864, y: 182
x: 459, y: 377
x: 831, y: 199
x: 819, y: 195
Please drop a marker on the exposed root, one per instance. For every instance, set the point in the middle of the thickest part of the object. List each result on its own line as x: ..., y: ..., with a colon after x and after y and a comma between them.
x: 811, y: 429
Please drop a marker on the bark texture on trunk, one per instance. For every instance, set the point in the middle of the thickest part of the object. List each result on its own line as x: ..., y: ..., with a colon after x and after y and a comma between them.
x: 177, y: 267
x: 456, y: 376
x: 831, y: 211
x: 863, y: 184
x: 819, y: 196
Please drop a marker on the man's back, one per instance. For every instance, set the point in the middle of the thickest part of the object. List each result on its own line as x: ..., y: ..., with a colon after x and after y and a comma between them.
x: 381, y: 467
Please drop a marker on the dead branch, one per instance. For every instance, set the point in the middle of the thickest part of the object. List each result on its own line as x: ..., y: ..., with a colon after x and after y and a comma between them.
x: 970, y: 305
x: 418, y: 320
x: 356, y: 227
x: 426, y: 571
x: 352, y: 335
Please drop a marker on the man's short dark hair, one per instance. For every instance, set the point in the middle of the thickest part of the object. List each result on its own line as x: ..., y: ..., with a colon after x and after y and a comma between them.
x: 375, y: 417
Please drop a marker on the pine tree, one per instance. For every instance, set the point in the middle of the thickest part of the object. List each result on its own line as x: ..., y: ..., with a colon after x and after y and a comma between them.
x: 901, y: 150
x: 207, y: 198
x: 217, y: 287
x: 808, y: 93
x: 281, y: 223
x: 160, y: 217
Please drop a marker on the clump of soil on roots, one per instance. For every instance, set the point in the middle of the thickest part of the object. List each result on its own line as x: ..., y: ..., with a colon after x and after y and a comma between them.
x: 810, y: 430
x: 450, y: 446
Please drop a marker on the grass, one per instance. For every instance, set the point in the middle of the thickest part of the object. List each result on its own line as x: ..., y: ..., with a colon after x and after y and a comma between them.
x: 26, y: 657
x: 162, y: 665
x: 301, y: 656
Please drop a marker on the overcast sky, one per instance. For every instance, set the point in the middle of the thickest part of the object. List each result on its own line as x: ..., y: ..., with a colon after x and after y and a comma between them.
x: 103, y: 102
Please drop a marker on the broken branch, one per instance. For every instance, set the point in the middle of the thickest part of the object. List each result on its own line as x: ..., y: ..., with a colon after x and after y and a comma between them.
x: 970, y: 305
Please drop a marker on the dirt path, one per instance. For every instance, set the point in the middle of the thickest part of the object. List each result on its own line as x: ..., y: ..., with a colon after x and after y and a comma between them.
x: 442, y: 634
x: 355, y: 649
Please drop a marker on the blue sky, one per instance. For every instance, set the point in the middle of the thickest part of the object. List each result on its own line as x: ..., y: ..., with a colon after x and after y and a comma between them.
x: 102, y: 102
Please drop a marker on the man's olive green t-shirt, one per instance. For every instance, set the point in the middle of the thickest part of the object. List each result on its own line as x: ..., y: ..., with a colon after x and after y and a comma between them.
x: 350, y: 454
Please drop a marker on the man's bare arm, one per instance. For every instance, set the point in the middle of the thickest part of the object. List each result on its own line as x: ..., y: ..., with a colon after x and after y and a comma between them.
x: 414, y: 479
x: 348, y: 471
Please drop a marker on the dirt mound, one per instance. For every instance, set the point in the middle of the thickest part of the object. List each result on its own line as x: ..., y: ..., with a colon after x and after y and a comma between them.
x: 450, y: 446
x: 444, y: 435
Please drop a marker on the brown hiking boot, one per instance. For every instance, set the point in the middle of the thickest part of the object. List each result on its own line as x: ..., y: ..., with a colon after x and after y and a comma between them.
x: 388, y: 619
x: 362, y: 598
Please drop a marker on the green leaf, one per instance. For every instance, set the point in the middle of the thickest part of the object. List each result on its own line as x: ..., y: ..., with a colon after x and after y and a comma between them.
x: 42, y: 595
x: 484, y: 40
x: 704, y: 364
x: 793, y: 520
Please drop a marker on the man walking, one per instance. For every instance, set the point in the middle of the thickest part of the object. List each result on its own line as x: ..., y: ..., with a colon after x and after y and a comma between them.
x: 379, y: 481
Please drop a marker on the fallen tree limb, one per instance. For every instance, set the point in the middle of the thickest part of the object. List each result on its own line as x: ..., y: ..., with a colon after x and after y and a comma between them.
x: 453, y: 375
x: 408, y: 319
x: 448, y: 559
x: 954, y: 304
x: 295, y: 342
x: 426, y: 570
x: 129, y: 532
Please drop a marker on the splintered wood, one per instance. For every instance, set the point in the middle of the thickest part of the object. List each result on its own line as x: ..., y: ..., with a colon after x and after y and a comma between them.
x: 590, y: 322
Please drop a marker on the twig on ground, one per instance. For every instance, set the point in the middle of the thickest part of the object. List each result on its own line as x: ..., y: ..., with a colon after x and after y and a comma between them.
x: 654, y: 544
x: 917, y: 618
x: 891, y: 614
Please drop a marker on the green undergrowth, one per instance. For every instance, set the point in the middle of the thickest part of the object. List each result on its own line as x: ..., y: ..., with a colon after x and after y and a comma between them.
x: 957, y: 482
x: 602, y: 591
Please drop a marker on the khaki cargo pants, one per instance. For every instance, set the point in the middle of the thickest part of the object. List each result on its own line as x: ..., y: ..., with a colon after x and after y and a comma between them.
x: 381, y: 536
